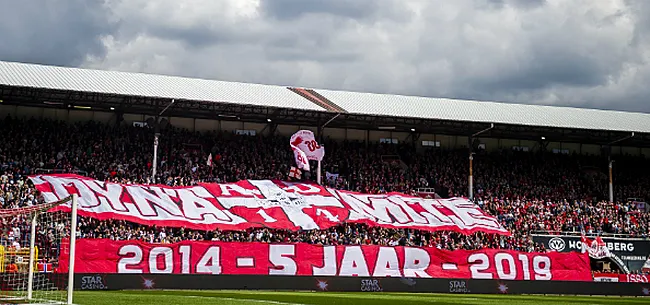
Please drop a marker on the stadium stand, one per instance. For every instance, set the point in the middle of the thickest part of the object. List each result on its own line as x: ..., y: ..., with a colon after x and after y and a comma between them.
x: 529, y: 191
x: 541, y: 192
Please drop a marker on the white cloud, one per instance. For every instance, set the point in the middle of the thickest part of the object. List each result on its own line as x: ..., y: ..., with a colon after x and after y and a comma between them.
x: 562, y: 52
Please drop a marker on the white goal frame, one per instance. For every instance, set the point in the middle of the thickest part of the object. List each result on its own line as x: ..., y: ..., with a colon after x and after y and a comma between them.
x: 32, y: 255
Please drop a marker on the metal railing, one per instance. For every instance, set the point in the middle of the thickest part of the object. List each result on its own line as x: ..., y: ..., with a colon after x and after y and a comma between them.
x: 573, y: 233
x: 59, y: 171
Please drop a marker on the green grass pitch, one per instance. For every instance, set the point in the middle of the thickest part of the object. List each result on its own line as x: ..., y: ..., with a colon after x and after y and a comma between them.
x: 162, y: 297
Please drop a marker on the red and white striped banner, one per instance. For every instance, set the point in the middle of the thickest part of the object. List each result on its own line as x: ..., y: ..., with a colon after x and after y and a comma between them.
x: 262, y: 203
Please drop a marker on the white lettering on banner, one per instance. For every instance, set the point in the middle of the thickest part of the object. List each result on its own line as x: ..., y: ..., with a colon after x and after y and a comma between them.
x: 542, y: 268
x: 375, y: 208
x: 210, y: 263
x: 152, y: 201
x: 131, y: 257
x: 186, y: 255
x: 480, y: 263
x: 525, y: 266
x: 329, y: 263
x: 257, y: 202
x: 302, y: 188
x: 416, y: 262
x: 167, y: 261
x: 400, y: 202
x: 354, y: 263
x: 387, y: 264
x: 86, y: 196
x: 240, y: 191
x: 637, y: 278
x: 292, y: 204
x: 124, y: 262
x: 197, y: 207
x: 327, y: 214
x: 469, y: 216
x: 108, y: 193
x: 501, y: 259
x: 396, y: 211
x: 282, y: 257
x: 612, y: 246
x: 433, y: 215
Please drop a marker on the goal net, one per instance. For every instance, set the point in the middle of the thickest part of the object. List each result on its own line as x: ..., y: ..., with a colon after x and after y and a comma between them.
x: 31, y: 241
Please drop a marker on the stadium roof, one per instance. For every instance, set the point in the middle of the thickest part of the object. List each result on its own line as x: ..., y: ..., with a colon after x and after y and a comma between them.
x: 488, y: 112
x: 306, y: 106
x: 148, y: 85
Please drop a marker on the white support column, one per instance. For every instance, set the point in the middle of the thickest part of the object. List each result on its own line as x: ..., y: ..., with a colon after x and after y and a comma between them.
x: 155, y: 158
x: 471, y: 177
x: 611, y: 181
x: 318, y: 174
x: 73, y: 246
x: 32, y: 258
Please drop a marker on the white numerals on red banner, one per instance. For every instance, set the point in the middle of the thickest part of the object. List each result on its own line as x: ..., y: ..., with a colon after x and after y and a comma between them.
x: 210, y: 262
x: 282, y: 257
x: 507, y: 268
x: 161, y: 260
x: 637, y: 278
x: 168, y: 260
x: 135, y: 257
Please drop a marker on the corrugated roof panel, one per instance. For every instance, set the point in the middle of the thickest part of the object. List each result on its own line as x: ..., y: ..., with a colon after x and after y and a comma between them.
x: 138, y: 84
x: 488, y: 112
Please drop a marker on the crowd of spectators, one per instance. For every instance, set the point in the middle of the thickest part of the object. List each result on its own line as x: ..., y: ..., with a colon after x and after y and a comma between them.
x: 527, y: 191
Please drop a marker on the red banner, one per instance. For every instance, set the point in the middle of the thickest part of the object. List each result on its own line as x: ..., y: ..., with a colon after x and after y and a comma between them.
x: 107, y: 256
x: 262, y: 203
x: 621, y: 278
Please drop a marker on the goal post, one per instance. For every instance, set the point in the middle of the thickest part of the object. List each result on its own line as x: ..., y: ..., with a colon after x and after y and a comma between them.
x: 37, y: 251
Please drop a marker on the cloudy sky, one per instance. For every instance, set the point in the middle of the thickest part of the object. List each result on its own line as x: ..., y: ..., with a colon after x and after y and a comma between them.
x: 583, y: 53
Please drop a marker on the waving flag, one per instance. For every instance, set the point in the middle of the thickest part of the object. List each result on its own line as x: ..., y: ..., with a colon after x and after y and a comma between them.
x: 306, y: 142
x: 294, y: 173
x: 597, y: 248
x: 301, y: 158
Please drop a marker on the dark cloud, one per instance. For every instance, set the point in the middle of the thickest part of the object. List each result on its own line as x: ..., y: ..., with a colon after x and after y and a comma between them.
x: 546, y: 67
x: 573, y: 53
x: 292, y: 9
x: 57, y: 32
x: 526, y: 4
x: 357, y: 9
x: 197, y: 36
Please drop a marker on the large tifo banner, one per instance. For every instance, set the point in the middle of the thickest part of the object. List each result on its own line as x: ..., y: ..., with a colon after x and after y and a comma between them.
x: 262, y: 203
x: 108, y: 256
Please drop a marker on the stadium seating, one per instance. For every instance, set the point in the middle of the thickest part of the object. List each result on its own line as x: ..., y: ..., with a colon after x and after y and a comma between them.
x: 528, y: 192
